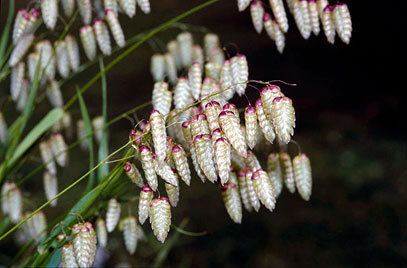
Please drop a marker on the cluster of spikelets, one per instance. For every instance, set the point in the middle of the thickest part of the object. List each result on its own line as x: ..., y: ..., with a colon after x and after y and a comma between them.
x: 308, y: 16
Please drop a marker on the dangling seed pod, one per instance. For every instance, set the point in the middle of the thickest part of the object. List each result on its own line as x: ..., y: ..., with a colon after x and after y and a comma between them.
x: 160, y: 217
x: 251, y: 192
x: 263, y: 189
x: 182, y: 95
x: 251, y: 126
x: 146, y: 195
x: 12, y: 201
x: 144, y: 6
x: 20, y: 49
x: 211, y: 42
x: 73, y: 52
x: 283, y: 118
x: 244, y: 194
x: 97, y: 124
x: 54, y: 94
x: 302, y: 175
x: 226, y: 80
x: 204, y: 153
x: 185, y: 48
x: 307, y: 27
x: 171, y: 68
x: 47, y: 58
x: 196, y: 165
x: 173, y: 49
x: 101, y: 232
x: 251, y: 161
x: 84, y: 244
x: 115, y: 27
x: 62, y: 59
x: 173, y: 194
x: 197, y: 55
x: 47, y: 157
x: 242, y: 4
x: 16, y: 82
x: 265, y: 126
x: 102, y: 37
x: 162, y: 98
x: 68, y: 6
x: 231, y: 199
x: 275, y: 173
x: 223, y: 159
x: 313, y: 15
x: 257, y: 11
x: 195, y: 80
x: 36, y: 225
x: 328, y: 23
x: 240, y: 73
x: 50, y: 187
x: 49, y: 10
x: 231, y: 127
x: 133, y: 173
x: 267, y: 95
x: 128, y: 6
x: 68, y: 259
x: 181, y: 163
x: 20, y: 25
x: 212, y: 70
x: 158, y: 134
x: 81, y: 132
x: 158, y: 67
x: 186, y: 131
x: 147, y: 164
x: 110, y: 4
x: 3, y: 129
x: 321, y: 4
x: 287, y: 171
x: 130, y: 236
x: 165, y: 172
x: 85, y: 9
x: 112, y: 214
x: 212, y: 110
x: 88, y: 41
x: 23, y: 96
x: 343, y: 22
x: 199, y: 125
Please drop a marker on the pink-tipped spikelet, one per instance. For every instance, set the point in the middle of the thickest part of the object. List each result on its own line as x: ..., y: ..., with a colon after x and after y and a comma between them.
x: 267, y: 95
x: 257, y: 11
x: 328, y: 24
x: 251, y: 192
x: 212, y: 110
x: 133, y: 173
x: 165, y: 172
x: 226, y: 81
x: 85, y: 10
x: 102, y: 37
x: 231, y: 127
x: 302, y: 175
x: 62, y: 58
x: 314, y: 16
x: 158, y: 133
x: 283, y: 118
x: 181, y: 163
x: 287, y: 171
x: 223, y: 159
x: 274, y: 172
x: 195, y: 80
x: 244, y: 194
x: 251, y: 126
x: 88, y: 41
x: 112, y: 214
x: 111, y: 5
x: 240, y: 73
x: 73, y: 52
x: 265, y: 125
x: 204, y: 153
x: 231, y: 199
x: 264, y: 189
x: 199, y: 125
x: 251, y: 161
x: 49, y: 10
x: 84, y: 244
x: 146, y: 195
x: 279, y: 13
x: 147, y: 163
x: 115, y: 27
x: 160, y: 217
x: 128, y: 6
x: 162, y: 98
x: 68, y: 259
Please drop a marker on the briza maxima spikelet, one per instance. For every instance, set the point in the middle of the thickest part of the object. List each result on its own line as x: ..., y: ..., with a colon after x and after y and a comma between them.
x: 181, y: 163
x: 274, y: 172
x: 50, y: 183
x: 130, y: 236
x: 204, y: 153
x: 279, y: 37
x: 212, y: 70
x: 243, y: 4
x: 16, y: 82
x: 84, y: 244
x: 231, y: 127
x: 144, y: 6
x: 101, y: 232
x: 73, y: 52
x: 62, y: 58
x: 88, y: 41
x: 147, y: 163
x: 12, y: 201
x: 36, y: 225
x: 47, y: 58
x: 47, y: 157
x: 343, y: 22
x: 301, y: 17
x: 173, y: 194
x: 267, y: 95
x: 226, y: 81
x: 128, y: 6
x: 314, y: 16
x: 112, y: 214
x: 160, y: 217
x: 321, y: 4
x: 173, y: 49
x: 223, y: 159
x: 287, y: 171
x: 133, y: 173
x: 97, y: 125
x: 302, y: 175
x: 195, y: 163
x: 20, y: 49
x: 257, y: 11
x: 49, y: 10
x: 22, y: 98
x: 251, y: 126
x: 59, y: 149
x: 231, y: 199
x: 102, y: 37
x: 279, y: 13
x: 165, y: 172
x: 211, y: 42
x: 110, y: 4
x: 328, y: 23
x: 85, y: 9
x: 159, y: 134
x: 115, y: 27
x: 54, y: 94
x: 197, y: 55
x: 283, y: 118
x: 185, y: 48
x: 199, y: 125
x: 195, y: 80
x: 182, y: 95
x: 68, y: 259
x: 82, y: 134
x: 240, y: 73
x: 68, y: 7
x: 3, y: 129
x: 265, y: 125
x: 251, y: 192
x: 158, y: 67
x: 264, y: 189
x: 170, y: 68
x: 186, y: 132
x: 251, y: 161
x: 305, y: 17
x: 212, y: 110
x: 244, y: 195
x: 162, y: 98
x: 20, y: 24
x: 146, y: 195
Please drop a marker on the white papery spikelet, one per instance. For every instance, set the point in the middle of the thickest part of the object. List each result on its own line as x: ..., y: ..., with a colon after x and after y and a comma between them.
x: 165, y: 172
x: 16, y: 82
x: 283, y: 118
x: 110, y: 4
x: 49, y: 10
x: 146, y: 195
x: 160, y: 217
x: 54, y: 94
x: 3, y: 129
x: 85, y: 9
x: 59, y: 149
x: 321, y: 4
x: 198, y: 55
x: 158, y: 67
x: 147, y: 164
x: 226, y: 80
x: 314, y: 16
x: 130, y: 236
x: 68, y: 7
x: 240, y: 73
x: 133, y: 173
x: 182, y: 95
x: 181, y: 163
x: 20, y: 49
x: 115, y: 27
x: 195, y: 80
x: 267, y: 95
x: 50, y: 183
x: 274, y: 172
x: 170, y: 68
x: 287, y: 171
x: 185, y: 43
x: 47, y: 157
x: 343, y: 22
x: 268, y: 26
x: 73, y: 52
x: 144, y: 6
x: 81, y: 132
x: 301, y: 17
x: 244, y: 195
x: 173, y: 194
x: 84, y: 244
x: 204, y: 153
x: 328, y: 23
x: 251, y: 192
x: 223, y: 159
x: 5, y: 190
x: 158, y: 133
x: 212, y: 110
x: 279, y: 13
x: 97, y: 124
x: 305, y: 17
x: 251, y: 126
x: 101, y: 232
x: 231, y: 127
x: 22, y: 24
x: 195, y: 163
x: 212, y: 70
x: 199, y: 125
x: 22, y: 98
x: 162, y: 98
x: 231, y: 199
x: 68, y: 259
x: 88, y: 41
x: 12, y: 201
x: 243, y: 4
x: 257, y: 11
x: 62, y: 59
x: 112, y: 214
x: 302, y: 175
x: 211, y: 43
x: 173, y: 49
x: 279, y: 38
x: 264, y: 189
x: 102, y: 37
x: 251, y: 161
x: 128, y: 6
x: 47, y: 58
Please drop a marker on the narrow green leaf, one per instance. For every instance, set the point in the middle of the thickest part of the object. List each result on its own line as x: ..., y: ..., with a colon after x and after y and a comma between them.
x: 103, y: 170
x: 55, y: 259
x: 6, y: 31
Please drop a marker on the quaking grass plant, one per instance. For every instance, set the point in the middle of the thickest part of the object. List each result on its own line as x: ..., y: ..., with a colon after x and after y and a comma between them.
x: 202, y: 136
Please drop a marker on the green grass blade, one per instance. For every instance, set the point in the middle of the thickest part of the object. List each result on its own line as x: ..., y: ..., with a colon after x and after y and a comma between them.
x: 6, y: 30
x: 104, y: 143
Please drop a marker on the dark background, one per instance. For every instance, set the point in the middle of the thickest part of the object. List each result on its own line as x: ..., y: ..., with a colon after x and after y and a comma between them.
x: 350, y: 121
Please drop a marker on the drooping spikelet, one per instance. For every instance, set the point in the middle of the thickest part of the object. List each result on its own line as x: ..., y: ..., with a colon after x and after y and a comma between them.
x: 68, y: 7
x: 267, y: 95
x: 133, y: 173
x: 226, y: 81
x: 231, y: 127
x: 212, y: 70
x: 182, y: 95
x: 20, y: 49
x: 54, y: 94
x: 49, y: 10
x: 343, y: 22
x: 173, y: 49
x: 251, y: 192
x: 274, y: 172
x: 199, y: 125
x: 173, y: 194
x: 279, y: 13
x: 157, y: 67
x: 130, y: 235
x: 81, y: 132
x: 101, y: 232
x: 73, y: 52
x: 128, y: 6
x: 244, y: 195
x: 97, y: 125
x: 257, y: 11
x: 147, y: 164
x: 231, y: 199
x: 204, y: 153
x: 223, y: 159
x: 240, y: 73
x: 314, y: 16
x: 16, y: 82
x: 185, y: 43
x: 170, y: 68
x: 181, y: 163
x: 85, y: 9
x: 112, y: 214
x: 59, y: 149
x: 84, y: 244
x: 115, y: 27
x: 212, y: 110
x: 264, y: 189
x: 88, y: 41
x: 251, y: 126
x: 158, y: 134
x: 20, y: 25
x: 47, y: 157
x: 102, y: 37
x: 3, y: 129
x: 211, y: 42
x: 36, y: 225
x: 195, y: 80
x: 287, y: 171
x: 195, y: 163
x: 23, y: 96
x: 328, y: 23
x: 146, y: 195
x: 302, y: 175
x: 12, y: 201
x: 50, y: 183
x: 144, y: 6
x: 160, y: 217
x: 62, y: 59
x: 47, y: 58
x: 68, y: 259
x: 251, y: 161
x: 197, y: 55
x: 165, y: 172
x: 321, y: 4
x: 283, y: 118
x: 161, y: 98
x: 305, y: 27
x: 242, y: 4
x: 110, y: 4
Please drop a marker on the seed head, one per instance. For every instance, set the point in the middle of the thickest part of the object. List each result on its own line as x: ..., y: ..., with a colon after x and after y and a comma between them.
x: 223, y: 159
x: 160, y: 217
x: 115, y: 27
x: 181, y: 163
x: 101, y: 232
x: 302, y: 175
x: 84, y: 244
x: 264, y: 189
x: 231, y: 127
x: 146, y: 195
x: 50, y: 182
x: 231, y: 199
x: 287, y: 171
x: 88, y: 41
x: 133, y: 173
x: 102, y: 37
x: 112, y: 214
x: 257, y: 11
x: 275, y: 173
x: 147, y: 164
